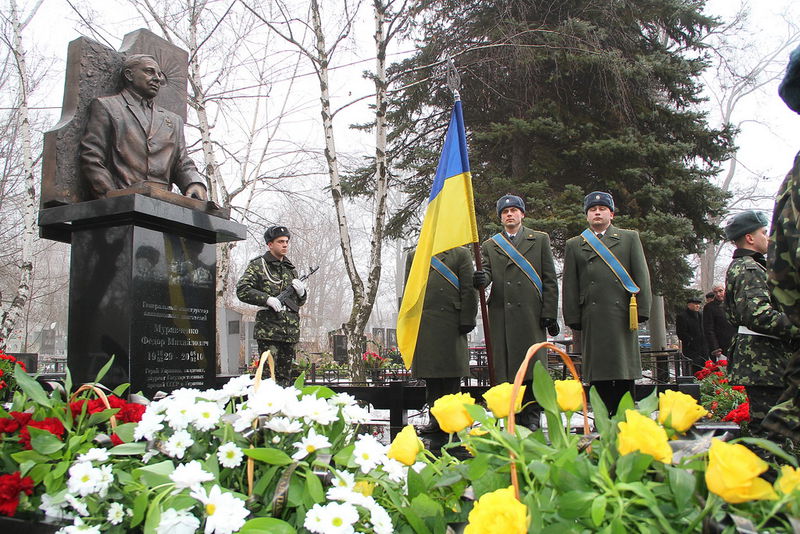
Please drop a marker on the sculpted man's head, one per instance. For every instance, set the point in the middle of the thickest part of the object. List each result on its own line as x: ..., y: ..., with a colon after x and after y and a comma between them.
x: 142, y: 75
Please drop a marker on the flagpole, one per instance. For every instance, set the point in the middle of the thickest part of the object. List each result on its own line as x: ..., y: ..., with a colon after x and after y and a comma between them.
x: 454, y: 83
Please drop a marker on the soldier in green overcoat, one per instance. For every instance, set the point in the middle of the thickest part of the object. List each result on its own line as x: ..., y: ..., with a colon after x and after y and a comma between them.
x: 277, y: 327
x: 598, y: 305
x: 523, y: 302
x: 441, y: 356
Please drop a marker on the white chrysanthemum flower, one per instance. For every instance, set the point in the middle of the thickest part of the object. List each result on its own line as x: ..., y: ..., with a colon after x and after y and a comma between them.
x: 177, y: 444
x: 284, y: 425
x: 205, y: 415
x: 343, y: 399
x: 269, y: 399
x: 368, y: 452
x: 179, y: 413
x: 94, y: 455
x: 310, y: 444
x: 355, y: 415
x: 244, y: 419
x: 55, y: 508
x: 396, y: 471
x: 343, y: 479
x: 225, y: 513
x: 76, y: 504
x: 116, y: 513
x: 83, y: 479
x: 333, y: 518
x: 344, y: 494
x: 380, y: 519
x: 293, y: 408
x: 418, y: 466
x: 238, y: 387
x: 79, y: 527
x: 317, y: 410
x: 150, y: 423
x: 230, y: 455
x: 104, y: 480
x: 177, y: 522
x: 185, y: 394
x: 190, y: 475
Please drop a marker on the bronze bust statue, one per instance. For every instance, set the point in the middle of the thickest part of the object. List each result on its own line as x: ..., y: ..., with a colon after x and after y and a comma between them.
x: 129, y: 139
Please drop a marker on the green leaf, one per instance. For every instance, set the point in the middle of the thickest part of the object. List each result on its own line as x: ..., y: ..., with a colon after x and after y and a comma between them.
x: 269, y: 456
x: 139, y: 507
x: 128, y: 449
x: 314, y: 487
x: 415, y: 484
x: 649, y: 404
x: 120, y: 389
x: 601, y: 420
x: 598, y: 510
x: 769, y: 446
x: 682, y: 485
x: 625, y: 403
x: 101, y: 417
x: 31, y: 387
x: 263, y: 482
x: 104, y: 370
x: 156, y: 474
x: 29, y: 456
x: 631, y: 467
x: 478, y: 466
x: 543, y: 388
x: 429, y: 511
x: 344, y: 456
x: 320, y: 391
x: 573, y: 504
x: 125, y: 431
x: 153, y: 517
x: 267, y: 525
x: 44, y: 442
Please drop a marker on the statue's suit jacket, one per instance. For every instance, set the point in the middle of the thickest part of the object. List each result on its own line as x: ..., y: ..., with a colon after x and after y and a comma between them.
x: 595, y: 299
x: 117, y: 152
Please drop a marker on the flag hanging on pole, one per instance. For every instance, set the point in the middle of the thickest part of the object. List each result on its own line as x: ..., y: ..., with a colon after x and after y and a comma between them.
x: 449, y: 222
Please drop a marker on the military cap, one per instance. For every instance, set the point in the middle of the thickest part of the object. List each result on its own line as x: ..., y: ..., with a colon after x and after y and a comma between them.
x: 744, y: 223
x: 598, y: 198
x: 710, y: 295
x: 274, y: 232
x: 789, y: 89
x: 694, y: 300
x: 510, y: 201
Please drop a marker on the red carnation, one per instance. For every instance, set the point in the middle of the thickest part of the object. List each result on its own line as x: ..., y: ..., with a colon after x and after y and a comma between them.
x: 131, y: 412
x: 116, y: 440
x: 10, y: 488
x: 51, y: 424
x: 723, y: 363
x: 737, y: 388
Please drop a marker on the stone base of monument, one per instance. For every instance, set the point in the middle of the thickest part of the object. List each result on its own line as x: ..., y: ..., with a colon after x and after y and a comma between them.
x: 142, y: 289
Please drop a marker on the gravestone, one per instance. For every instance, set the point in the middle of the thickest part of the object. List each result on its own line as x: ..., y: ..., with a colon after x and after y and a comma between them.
x: 143, y: 261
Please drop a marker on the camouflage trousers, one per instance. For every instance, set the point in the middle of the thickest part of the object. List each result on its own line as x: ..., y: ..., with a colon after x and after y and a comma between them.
x: 784, y: 419
x: 283, y: 354
x: 762, y: 399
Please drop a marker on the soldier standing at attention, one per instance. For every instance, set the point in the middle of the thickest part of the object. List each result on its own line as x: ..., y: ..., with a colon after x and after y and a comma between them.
x: 277, y: 327
x: 762, y: 345
x: 606, y: 294
x: 783, y: 264
x: 524, y: 298
x: 441, y: 355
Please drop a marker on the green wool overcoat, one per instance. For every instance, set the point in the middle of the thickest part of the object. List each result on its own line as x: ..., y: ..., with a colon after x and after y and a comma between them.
x: 515, y: 306
x: 441, y: 350
x: 595, y: 299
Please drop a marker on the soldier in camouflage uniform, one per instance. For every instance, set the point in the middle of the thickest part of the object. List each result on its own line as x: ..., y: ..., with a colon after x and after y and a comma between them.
x: 763, y: 343
x: 784, y: 267
x: 277, y: 327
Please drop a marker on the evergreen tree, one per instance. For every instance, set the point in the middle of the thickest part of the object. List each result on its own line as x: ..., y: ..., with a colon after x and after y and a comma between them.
x: 563, y: 97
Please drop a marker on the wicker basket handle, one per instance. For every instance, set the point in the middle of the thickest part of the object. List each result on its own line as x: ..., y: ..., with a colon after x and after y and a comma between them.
x: 266, y: 356
x: 99, y: 392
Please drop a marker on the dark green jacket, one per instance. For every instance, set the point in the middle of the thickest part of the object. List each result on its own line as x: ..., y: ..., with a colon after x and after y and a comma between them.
x: 515, y: 306
x: 441, y: 350
x: 756, y: 360
x: 595, y: 299
x: 265, y: 277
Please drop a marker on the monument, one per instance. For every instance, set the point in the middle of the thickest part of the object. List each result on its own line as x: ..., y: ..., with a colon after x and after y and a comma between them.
x: 143, y: 257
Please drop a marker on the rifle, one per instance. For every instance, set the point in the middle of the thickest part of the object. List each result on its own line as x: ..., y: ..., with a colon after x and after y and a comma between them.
x: 287, y: 299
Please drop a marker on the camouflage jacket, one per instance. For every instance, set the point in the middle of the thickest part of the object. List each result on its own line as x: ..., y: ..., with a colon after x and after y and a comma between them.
x: 265, y: 277
x: 784, y: 245
x: 756, y: 359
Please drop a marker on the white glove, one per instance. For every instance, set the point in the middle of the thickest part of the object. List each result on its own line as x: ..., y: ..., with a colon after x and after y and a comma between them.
x: 275, y: 304
x: 299, y: 286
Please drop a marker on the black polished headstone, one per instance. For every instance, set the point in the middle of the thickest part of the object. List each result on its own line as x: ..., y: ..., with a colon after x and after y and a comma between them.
x: 142, y: 289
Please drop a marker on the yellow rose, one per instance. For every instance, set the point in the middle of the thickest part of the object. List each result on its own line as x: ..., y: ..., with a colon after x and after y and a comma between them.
x: 498, y: 399
x: 640, y: 433
x: 569, y: 394
x: 733, y: 471
x: 449, y: 411
x: 789, y: 480
x: 364, y: 487
x: 498, y: 511
x: 406, y: 446
x: 681, y: 409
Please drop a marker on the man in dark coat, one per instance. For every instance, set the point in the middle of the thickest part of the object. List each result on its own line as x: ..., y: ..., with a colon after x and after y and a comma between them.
x: 277, y: 327
x: 763, y: 343
x: 129, y: 139
x: 523, y: 302
x: 597, y: 304
x: 689, y: 328
x: 441, y: 355
x: 719, y: 332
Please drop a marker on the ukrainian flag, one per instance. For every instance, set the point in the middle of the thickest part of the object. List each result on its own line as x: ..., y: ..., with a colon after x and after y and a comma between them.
x: 449, y: 222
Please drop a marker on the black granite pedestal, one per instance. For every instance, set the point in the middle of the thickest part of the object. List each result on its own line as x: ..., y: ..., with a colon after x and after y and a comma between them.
x: 142, y: 289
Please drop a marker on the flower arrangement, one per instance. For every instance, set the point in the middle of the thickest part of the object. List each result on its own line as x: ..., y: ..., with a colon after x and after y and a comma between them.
x: 724, y: 402
x: 7, y: 382
x: 373, y: 360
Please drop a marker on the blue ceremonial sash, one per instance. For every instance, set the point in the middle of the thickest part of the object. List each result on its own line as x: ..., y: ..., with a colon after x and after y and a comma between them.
x: 520, y: 260
x: 611, y: 260
x: 445, y: 271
